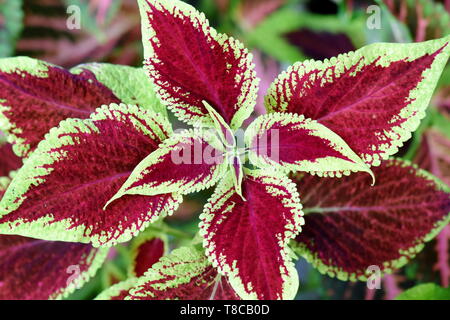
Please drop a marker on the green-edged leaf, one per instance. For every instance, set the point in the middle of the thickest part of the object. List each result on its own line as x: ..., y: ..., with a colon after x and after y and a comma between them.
x: 118, y: 291
x: 146, y: 250
x: 185, y: 274
x: 350, y: 226
x: 426, y: 291
x: 372, y: 98
x: 189, y: 62
x: 35, y: 96
x: 60, y: 192
x: 290, y: 142
x: 33, y: 269
x: 186, y: 162
x: 247, y: 239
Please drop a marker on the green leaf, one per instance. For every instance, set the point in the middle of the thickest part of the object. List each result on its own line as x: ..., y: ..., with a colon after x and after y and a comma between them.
x: 131, y: 85
x: 12, y: 16
x: 427, y: 291
x: 268, y: 36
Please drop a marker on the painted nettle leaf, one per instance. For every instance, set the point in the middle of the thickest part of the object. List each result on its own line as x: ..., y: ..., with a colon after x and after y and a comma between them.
x: 35, y: 96
x: 185, y: 274
x: 8, y: 160
x: 84, y: 162
x: 372, y: 98
x: 331, y: 119
x: 34, y: 269
x: 146, y: 250
x: 386, y: 225
x: 310, y: 178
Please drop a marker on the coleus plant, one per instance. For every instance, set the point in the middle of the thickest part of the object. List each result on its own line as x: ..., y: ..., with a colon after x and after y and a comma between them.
x: 102, y: 175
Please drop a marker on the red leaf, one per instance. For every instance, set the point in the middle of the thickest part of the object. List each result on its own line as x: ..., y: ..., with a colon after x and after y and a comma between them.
x: 189, y: 62
x: 293, y: 143
x: 372, y: 98
x: 146, y: 254
x: 202, y: 287
x: 60, y: 192
x: 32, y: 269
x: 36, y: 96
x: 350, y: 226
x: 247, y: 239
x: 185, y: 274
x: 187, y: 162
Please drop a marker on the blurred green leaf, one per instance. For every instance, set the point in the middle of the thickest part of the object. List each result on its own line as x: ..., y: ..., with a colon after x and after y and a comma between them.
x: 88, y: 20
x: 427, y: 291
x: 11, y: 13
x: 269, y: 35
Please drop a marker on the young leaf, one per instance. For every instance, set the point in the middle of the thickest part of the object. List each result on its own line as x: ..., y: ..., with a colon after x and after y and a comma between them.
x: 145, y: 252
x: 130, y: 85
x: 189, y: 62
x: 224, y: 130
x: 292, y: 143
x: 247, y: 239
x: 185, y: 274
x: 187, y: 162
x: 32, y: 269
x: 372, y: 98
x: 350, y: 226
x: 60, y: 192
x: 35, y: 96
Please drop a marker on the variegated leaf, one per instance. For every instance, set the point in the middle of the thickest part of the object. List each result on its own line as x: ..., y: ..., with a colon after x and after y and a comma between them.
x: 185, y: 274
x: 35, y: 96
x: 119, y: 291
x: 146, y: 250
x: 60, y: 192
x: 372, y: 98
x: 350, y: 227
x: 292, y: 143
x: 247, y: 239
x: 186, y: 162
x: 32, y: 269
x: 189, y: 62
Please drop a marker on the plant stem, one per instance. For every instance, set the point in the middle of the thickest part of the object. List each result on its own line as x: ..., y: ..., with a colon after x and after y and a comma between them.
x: 171, y: 231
